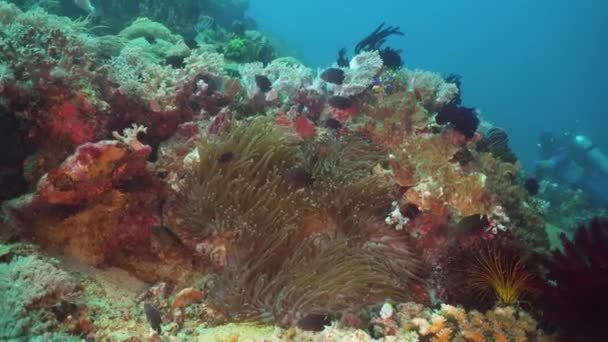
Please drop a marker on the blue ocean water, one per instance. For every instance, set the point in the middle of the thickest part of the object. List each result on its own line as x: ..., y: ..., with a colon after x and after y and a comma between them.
x: 529, y: 66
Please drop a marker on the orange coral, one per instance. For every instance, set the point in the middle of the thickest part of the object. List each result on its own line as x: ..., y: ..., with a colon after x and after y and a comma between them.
x: 441, y: 183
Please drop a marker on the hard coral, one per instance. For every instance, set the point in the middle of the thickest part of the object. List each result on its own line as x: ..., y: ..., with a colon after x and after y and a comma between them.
x: 49, y: 55
x: 30, y: 286
x: 441, y: 186
x: 450, y: 323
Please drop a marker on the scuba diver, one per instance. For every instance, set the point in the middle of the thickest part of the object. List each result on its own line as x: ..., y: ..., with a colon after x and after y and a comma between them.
x: 576, y: 161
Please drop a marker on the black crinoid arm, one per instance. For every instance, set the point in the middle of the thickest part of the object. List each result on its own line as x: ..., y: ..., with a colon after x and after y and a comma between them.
x: 375, y: 39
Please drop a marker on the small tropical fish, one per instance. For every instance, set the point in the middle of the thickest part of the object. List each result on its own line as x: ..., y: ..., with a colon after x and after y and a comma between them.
x: 333, y: 123
x: 263, y: 83
x: 299, y: 177
x: 314, y: 322
x: 333, y: 75
x: 153, y: 316
x: 532, y: 186
x: 225, y: 157
x: 340, y: 102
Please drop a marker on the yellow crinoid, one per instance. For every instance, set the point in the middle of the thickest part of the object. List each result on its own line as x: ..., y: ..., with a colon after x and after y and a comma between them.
x: 501, y: 271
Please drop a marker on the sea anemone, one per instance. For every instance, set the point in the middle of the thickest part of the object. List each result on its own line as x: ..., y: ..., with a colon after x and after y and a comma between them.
x: 239, y: 183
x: 356, y: 260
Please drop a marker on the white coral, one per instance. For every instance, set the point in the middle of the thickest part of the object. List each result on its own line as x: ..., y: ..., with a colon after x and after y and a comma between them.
x: 360, y: 75
x: 129, y: 136
x: 285, y: 74
x: 396, y: 218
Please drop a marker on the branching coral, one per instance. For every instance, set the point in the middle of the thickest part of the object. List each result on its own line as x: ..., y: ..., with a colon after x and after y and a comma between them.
x: 287, y: 75
x: 451, y: 323
x: 360, y: 75
x: 46, y: 51
x: 432, y: 90
x: 157, y: 86
x: 30, y: 285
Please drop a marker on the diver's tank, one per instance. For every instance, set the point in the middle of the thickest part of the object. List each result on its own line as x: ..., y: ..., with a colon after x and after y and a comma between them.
x: 590, y: 155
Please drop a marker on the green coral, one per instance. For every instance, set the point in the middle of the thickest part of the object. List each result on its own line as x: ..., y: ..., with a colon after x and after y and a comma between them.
x: 30, y: 285
x: 236, y: 50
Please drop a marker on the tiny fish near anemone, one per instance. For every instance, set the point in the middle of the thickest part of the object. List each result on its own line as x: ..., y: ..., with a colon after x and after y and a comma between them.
x: 333, y: 75
x: 298, y: 177
x: 532, y: 186
x: 153, y: 317
x: 340, y: 102
x: 263, y: 83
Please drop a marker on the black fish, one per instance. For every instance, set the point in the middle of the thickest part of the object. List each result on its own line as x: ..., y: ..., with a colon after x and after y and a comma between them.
x: 463, y: 157
x: 314, y: 322
x: 340, y: 102
x: 531, y: 184
x: 153, y: 317
x: 333, y: 75
x: 299, y: 177
x: 333, y: 123
x: 263, y: 83
x: 177, y: 62
x: 225, y: 157
x: 149, y: 38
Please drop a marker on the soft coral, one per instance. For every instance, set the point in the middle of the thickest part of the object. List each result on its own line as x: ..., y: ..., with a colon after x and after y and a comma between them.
x: 575, y: 293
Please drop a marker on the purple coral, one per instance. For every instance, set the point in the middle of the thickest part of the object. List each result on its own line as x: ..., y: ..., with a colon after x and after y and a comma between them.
x: 577, y: 280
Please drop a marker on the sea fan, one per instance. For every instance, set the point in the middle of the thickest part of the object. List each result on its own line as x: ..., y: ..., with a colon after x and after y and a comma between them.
x: 575, y: 293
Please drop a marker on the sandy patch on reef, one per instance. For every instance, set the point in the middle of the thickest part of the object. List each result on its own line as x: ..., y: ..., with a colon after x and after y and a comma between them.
x: 553, y: 233
x: 120, y: 288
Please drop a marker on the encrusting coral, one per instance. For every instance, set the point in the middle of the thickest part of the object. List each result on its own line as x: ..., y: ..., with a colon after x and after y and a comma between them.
x: 449, y: 323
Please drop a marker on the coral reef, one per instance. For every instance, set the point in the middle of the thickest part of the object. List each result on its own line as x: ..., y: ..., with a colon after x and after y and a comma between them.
x: 190, y: 184
x: 450, y: 323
